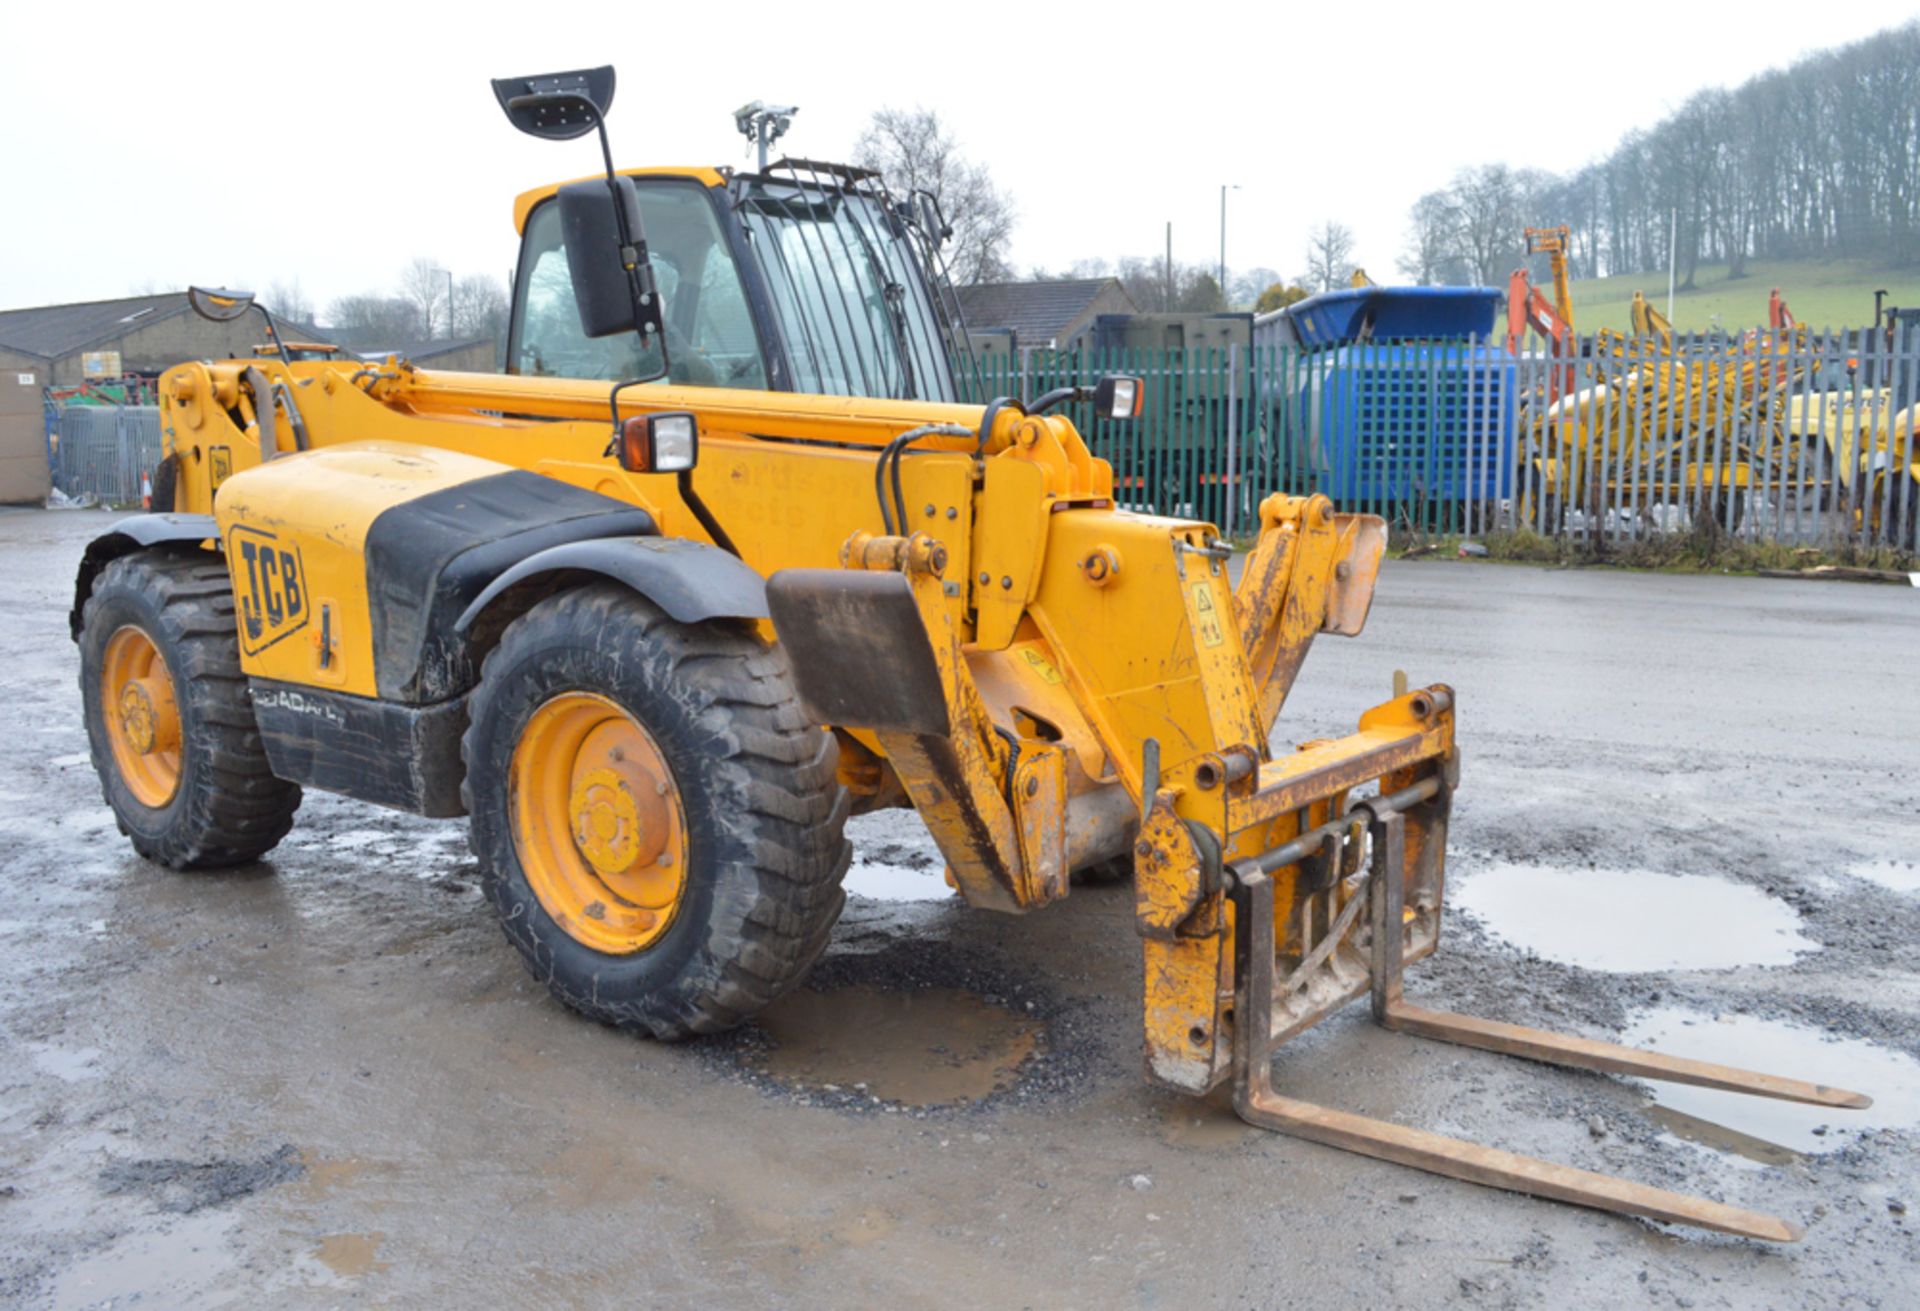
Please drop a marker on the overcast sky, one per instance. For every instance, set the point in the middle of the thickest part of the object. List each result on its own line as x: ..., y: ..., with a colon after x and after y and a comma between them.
x: 155, y: 145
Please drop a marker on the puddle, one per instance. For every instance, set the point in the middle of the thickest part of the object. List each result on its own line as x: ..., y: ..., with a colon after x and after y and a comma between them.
x: 69, y: 1066
x: 351, y: 1254
x: 895, y: 859
x: 923, y: 1047
x: 1629, y: 921
x: 353, y: 839
x: 1722, y: 1139
x: 189, y: 1263
x: 884, y: 882
x: 1204, y: 1124
x: 322, y: 1177
x: 1760, y: 1128
x: 1894, y: 875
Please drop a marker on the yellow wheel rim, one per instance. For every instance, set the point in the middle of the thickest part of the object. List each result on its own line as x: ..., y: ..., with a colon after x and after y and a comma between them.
x: 598, y: 823
x: 142, y: 717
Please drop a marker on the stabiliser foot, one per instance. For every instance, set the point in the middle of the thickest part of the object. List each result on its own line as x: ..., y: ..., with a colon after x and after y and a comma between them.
x: 1257, y: 1103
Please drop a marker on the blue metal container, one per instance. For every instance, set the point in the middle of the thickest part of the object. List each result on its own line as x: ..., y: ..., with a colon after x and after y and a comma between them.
x: 1399, y: 423
x: 1339, y: 318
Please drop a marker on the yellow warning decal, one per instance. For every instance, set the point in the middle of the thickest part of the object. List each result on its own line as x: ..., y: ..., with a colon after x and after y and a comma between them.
x: 1040, y: 665
x: 1206, y: 616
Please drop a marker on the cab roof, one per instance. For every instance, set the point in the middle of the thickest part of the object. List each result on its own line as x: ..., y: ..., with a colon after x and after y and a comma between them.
x: 524, y: 202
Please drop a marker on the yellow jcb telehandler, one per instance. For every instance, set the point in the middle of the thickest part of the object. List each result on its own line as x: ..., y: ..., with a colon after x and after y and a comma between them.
x: 719, y: 558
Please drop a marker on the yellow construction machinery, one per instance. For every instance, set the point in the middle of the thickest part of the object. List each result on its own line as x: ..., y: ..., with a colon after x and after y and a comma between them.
x: 1862, y: 442
x: 1632, y: 420
x: 719, y: 559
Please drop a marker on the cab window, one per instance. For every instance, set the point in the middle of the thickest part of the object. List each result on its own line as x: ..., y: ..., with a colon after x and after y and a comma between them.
x: 711, y: 340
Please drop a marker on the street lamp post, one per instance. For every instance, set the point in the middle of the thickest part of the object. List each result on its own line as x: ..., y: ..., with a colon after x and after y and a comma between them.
x: 449, y: 273
x: 1224, y: 188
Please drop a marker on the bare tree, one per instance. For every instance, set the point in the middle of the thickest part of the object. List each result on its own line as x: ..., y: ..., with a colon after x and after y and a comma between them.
x: 1329, y: 256
x: 372, y: 322
x: 1820, y: 159
x: 423, y: 285
x: 913, y: 151
x: 1202, y: 296
x: 1245, y: 286
x: 1433, y: 241
x: 479, y: 307
x: 1490, y: 219
x: 288, y: 301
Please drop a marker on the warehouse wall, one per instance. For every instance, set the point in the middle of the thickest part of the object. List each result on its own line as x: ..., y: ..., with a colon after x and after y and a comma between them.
x: 157, y: 347
x: 23, y: 428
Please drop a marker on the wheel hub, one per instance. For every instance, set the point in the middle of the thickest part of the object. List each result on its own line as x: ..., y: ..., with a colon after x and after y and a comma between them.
x: 598, y: 823
x: 148, y: 716
x: 141, y: 717
x: 607, y: 827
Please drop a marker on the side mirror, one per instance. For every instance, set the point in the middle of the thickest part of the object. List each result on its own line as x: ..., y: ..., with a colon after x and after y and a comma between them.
x: 660, y: 443
x: 607, y: 259
x: 1118, y: 396
x: 557, y: 106
x: 218, y: 305
x: 932, y: 221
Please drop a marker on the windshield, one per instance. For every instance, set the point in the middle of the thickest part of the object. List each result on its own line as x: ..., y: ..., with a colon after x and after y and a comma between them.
x: 710, y: 336
x: 847, y: 291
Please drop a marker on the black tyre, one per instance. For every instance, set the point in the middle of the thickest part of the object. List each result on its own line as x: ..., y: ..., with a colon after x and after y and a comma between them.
x: 169, y: 719
x: 659, y: 827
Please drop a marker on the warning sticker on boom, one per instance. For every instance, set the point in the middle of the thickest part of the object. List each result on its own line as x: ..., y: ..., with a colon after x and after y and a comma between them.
x: 1206, y: 616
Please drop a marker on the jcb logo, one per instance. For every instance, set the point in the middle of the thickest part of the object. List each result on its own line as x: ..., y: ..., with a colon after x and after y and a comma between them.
x: 269, y: 585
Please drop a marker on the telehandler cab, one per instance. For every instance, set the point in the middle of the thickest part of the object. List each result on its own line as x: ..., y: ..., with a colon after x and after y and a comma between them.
x: 721, y: 558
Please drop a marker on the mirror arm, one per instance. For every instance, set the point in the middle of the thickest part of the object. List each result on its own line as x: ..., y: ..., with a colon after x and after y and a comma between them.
x: 279, y: 341
x: 705, y: 515
x: 634, y: 258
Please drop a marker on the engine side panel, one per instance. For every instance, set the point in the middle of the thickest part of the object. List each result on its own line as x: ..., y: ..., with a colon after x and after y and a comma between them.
x: 430, y: 557
x: 295, y: 532
x: 352, y: 563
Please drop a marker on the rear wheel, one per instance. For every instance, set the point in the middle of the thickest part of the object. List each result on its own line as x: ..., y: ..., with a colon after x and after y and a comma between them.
x: 169, y: 719
x: 659, y: 827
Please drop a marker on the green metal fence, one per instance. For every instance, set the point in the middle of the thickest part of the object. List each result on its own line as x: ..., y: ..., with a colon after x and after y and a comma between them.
x: 1419, y: 434
x: 1809, y: 437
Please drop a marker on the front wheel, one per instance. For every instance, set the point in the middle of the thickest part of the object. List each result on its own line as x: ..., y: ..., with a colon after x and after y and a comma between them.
x: 659, y: 828
x: 169, y: 718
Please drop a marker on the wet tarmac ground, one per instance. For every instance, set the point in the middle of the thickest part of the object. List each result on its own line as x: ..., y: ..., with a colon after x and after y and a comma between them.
x: 327, y: 1081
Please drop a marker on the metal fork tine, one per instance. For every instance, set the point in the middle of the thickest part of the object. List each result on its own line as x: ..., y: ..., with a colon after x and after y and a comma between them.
x: 1609, y: 1058
x: 1473, y: 1163
x: 1257, y: 1103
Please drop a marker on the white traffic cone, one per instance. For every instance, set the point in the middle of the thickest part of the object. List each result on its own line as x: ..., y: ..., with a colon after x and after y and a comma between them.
x: 146, y: 491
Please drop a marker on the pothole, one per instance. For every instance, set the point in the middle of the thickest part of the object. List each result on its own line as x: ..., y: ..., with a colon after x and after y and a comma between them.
x: 1632, y: 921
x: 918, y: 1047
x: 881, y: 881
x: 1894, y: 875
x: 1762, y: 1128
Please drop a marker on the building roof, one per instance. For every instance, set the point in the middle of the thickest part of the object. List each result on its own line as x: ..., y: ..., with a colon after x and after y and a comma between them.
x: 417, y: 351
x: 1038, y: 312
x: 53, y: 331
